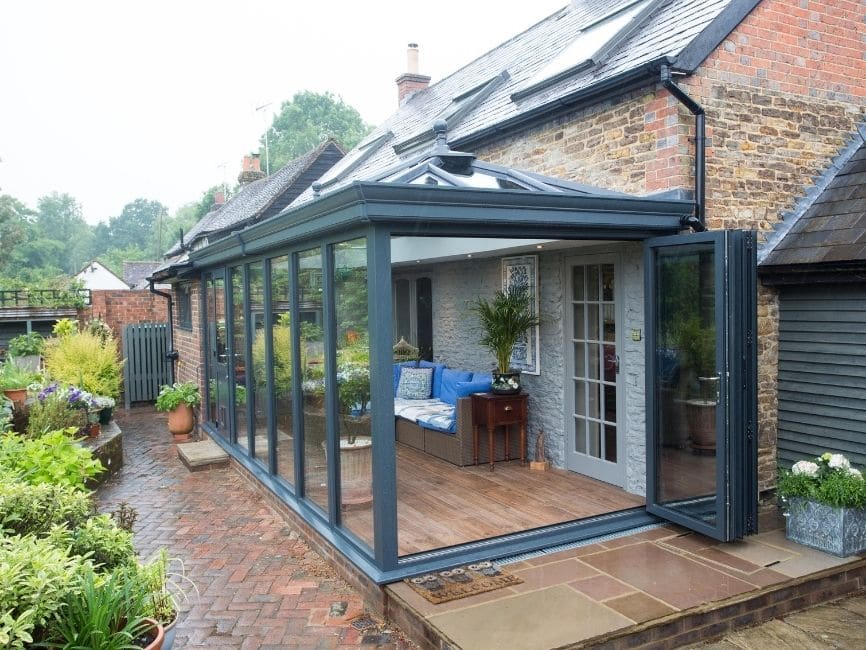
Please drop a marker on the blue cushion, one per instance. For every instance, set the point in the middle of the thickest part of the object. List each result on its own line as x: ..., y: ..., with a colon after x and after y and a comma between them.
x: 449, y: 380
x: 415, y: 383
x: 397, y: 368
x: 482, y: 376
x: 437, y: 376
x: 466, y: 388
x: 442, y: 422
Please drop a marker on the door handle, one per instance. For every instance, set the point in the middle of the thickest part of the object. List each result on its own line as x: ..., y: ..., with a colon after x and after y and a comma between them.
x: 616, y: 363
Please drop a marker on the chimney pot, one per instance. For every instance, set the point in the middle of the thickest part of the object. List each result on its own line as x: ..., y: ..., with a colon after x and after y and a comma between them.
x: 251, y: 169
x: 411, y: 81
x: 219, y: 197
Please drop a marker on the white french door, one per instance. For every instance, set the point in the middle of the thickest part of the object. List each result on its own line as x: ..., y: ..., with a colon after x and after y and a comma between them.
x: 594, y: 421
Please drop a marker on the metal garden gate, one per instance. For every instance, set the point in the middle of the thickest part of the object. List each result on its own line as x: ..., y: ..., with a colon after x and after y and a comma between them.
x: 145, y: 346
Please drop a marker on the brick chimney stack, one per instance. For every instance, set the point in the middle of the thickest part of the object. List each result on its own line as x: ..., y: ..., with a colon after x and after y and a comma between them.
x: 410, y: 81
x: 251, y: 170
x: 219, y: 197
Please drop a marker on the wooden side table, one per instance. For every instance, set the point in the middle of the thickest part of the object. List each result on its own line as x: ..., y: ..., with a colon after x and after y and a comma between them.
x: 494, y: 411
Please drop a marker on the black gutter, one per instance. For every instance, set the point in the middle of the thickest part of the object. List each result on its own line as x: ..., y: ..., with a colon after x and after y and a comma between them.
x: 697, y: 221
x: 172, y: 354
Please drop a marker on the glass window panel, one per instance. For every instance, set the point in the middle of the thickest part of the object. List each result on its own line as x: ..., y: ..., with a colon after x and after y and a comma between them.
x: 580, y: 359
x: 579, y: 326
x: 593, y: 438
x: 610, y: 362
x: 610, y: 443
x: 217, y: 371
x: 402, y: 311
x: 592, y: 322
x: 607, y: 287
x: 685, y: 325
x: 239, y: 367
x: 592, y: 281
x: 594, y: 404
x: 592, y: 361
x: 313, y: 374
x: 353, y: 387
x: 609, y: 318
x: 580, y: 435
x: 609, y: 402
x: 281, y: 345
x: 424, y: 315
x: 579, y: 398
x: 258, y: 386
x: 577, y: 282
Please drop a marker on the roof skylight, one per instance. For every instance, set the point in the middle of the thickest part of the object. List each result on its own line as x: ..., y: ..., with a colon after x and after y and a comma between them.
x: 591, y: 46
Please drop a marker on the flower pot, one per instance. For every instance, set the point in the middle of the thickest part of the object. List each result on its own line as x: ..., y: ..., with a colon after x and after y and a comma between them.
x: 157, y: 640
x: 701, y: 417
x: 506, y: 383
x: 17, y: 395
x: 181, y: 422
x: 28, y: 362
x: 840, y: 531
x: 356, y: 470
x: 92, y: 429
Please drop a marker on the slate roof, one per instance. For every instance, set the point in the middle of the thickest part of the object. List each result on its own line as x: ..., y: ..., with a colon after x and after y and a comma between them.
x: 689, y: 29
x: 265, y: 197
x: 830, y: 227
x: 135, y: 274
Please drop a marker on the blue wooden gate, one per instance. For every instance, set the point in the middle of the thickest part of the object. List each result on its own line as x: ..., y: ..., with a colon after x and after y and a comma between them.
x: 144, y: 347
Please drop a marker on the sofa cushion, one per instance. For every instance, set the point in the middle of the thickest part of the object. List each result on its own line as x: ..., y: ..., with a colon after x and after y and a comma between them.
x: 444, y: 422
x: 437, y: 375
x: 415, y: 383
x: 466, y: 388
x: 399, y: 367
x: 450, y: 379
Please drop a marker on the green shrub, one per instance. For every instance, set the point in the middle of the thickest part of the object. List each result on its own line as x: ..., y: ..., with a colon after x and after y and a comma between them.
x: 35, y: 509
x: 5, y: 413
x: 102, y: 614
x: 282, y: 356
x: 26, y: 345
x: 65, y: 327
x: 84, y: 360
x: 36, y: 579
x: 52, y: 458
x: 50, y: 412
x: 99, y: 539
x: 13, y: 376
x: 170, y: 397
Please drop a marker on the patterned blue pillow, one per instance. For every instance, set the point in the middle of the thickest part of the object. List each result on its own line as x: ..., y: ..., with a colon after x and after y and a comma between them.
x: 415, y: 383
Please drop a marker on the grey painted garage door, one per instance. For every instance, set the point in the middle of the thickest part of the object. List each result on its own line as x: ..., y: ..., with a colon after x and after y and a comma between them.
x: 822, y: 372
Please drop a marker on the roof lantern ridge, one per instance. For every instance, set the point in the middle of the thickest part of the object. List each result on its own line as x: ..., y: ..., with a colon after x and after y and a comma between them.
x: 456, y: 162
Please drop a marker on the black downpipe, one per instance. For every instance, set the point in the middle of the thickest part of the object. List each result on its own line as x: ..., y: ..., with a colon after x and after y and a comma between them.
x: 696, y: 222
x: 172, y: 354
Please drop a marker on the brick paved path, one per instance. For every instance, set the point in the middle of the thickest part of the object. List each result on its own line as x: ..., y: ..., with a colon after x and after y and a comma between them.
x: 259, y: 584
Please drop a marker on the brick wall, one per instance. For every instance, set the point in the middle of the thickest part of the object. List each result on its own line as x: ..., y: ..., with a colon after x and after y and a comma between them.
x: 783, y: 94
x: 119, y: 308
x: 187, y: 342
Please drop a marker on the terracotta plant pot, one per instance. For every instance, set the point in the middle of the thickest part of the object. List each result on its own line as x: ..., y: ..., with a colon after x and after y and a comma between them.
x: 156, y: 644
x: 17, y: 395
x: 181, y: 422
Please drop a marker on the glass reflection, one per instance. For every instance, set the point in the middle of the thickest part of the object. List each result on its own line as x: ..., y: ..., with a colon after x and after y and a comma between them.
x: 281, y: 346
x: 239, y: 367
x: 258, y: 396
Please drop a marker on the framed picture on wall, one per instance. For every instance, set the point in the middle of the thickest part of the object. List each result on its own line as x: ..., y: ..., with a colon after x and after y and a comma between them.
x: 523, y: 271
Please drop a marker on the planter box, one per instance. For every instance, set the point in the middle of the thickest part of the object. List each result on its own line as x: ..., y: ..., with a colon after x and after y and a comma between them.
x: 840, y: 531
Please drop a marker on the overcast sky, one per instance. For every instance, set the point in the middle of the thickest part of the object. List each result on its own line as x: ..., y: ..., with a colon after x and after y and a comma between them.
x: 112, y: 101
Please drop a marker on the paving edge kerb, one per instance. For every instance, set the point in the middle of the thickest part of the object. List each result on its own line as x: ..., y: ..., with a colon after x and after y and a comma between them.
x: 711, y: 621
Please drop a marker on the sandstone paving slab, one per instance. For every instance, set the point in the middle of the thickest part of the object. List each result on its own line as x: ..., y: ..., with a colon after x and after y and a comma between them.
x: 545, y: 618
x: 831, y: 623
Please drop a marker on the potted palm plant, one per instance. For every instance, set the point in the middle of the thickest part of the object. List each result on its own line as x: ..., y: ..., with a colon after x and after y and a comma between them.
x: 503, y: 321
x: 179, y: 400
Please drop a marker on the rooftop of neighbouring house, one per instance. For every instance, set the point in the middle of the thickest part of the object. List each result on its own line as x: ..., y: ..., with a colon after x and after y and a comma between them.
x: 135, y: 274
x: 829, y: 225
x: 585, y: 50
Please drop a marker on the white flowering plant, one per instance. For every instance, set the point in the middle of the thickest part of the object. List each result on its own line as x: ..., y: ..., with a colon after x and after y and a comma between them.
x: 829, y: 479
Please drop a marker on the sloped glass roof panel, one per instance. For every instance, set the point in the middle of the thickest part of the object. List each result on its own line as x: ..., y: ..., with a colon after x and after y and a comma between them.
x: 581, y: 52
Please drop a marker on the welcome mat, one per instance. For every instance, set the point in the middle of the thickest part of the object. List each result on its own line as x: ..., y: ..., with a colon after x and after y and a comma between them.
x: 461, y: 582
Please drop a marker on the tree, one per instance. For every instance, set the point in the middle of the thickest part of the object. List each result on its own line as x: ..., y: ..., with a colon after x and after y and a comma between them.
x: 60, y: 235
x: 14, y: 222
x: 308, y: 119
x: 137, y: 225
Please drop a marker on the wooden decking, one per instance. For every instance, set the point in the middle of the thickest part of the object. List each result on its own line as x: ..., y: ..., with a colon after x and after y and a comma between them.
x: 440, y: 504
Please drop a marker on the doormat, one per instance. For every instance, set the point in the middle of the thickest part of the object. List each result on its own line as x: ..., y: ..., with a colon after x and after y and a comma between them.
x: 461, y: 582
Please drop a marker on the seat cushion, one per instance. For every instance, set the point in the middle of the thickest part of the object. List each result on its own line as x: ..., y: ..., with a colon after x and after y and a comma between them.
x: 437, y: 376
x: 466, y: 388
x: 415, y: 383
x: 450, y: 379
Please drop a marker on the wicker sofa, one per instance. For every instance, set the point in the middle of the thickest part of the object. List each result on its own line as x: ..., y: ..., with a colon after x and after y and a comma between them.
x: 454, y: 447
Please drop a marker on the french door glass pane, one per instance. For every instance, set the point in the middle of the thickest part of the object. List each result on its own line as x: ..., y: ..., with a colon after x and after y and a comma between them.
x: 258, y: 385
x: 239, y: 368
x: 687, y: 380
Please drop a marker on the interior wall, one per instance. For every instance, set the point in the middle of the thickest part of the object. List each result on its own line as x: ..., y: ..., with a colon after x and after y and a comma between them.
x: 455, y: 343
